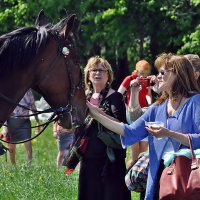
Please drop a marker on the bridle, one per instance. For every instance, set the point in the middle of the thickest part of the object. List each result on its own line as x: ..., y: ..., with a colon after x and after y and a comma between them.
x: 64, y: 51
x: 60, y: 111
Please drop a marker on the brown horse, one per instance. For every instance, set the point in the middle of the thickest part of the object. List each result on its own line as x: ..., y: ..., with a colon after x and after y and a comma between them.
x: 43, y: 58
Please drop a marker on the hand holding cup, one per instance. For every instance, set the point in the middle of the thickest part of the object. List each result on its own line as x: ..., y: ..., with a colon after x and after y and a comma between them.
x: 155, y: 128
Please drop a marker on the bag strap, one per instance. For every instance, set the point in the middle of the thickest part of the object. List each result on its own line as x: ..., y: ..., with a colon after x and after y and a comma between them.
x: 107, y: 108
x: 190, y: 145
x: 99, y: 126
x: 194, y: 164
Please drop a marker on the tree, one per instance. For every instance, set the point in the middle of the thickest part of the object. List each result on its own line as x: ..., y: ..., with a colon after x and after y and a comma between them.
x: 122, y: 31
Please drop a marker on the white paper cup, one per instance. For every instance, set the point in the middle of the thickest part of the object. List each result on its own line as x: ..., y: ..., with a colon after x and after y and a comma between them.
x: 156, y: 125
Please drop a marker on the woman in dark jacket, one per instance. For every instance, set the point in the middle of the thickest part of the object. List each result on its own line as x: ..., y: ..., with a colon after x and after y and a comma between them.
x: 102, y: 169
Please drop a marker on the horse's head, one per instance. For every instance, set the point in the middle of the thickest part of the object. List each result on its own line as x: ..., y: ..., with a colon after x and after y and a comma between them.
x: 60, y: 78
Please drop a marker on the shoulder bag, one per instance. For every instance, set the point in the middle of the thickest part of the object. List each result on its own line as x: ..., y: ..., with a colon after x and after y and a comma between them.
x: 109, y: 138
x: 181, y: 180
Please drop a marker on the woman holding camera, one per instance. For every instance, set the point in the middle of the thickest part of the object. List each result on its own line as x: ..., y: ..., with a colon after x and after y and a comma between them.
x: 139, y: 76
x: 142, y: 71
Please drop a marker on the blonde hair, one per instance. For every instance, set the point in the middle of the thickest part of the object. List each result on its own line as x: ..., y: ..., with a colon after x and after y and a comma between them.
x: 143, y: 66
x: 92, y: 62
x: 185, y: 83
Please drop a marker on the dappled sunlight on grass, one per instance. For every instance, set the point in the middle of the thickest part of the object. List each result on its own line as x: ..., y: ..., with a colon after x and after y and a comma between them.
x: 42, y: 179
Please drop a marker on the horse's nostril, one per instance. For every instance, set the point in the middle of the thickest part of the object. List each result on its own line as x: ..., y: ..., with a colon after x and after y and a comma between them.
x: 65, y: 120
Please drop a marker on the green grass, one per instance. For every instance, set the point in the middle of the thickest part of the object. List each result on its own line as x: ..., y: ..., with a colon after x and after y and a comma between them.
x: 42, y: 179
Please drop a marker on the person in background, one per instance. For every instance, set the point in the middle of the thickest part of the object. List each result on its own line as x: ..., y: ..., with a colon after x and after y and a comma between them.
x: 135, y: 111
x: 195, y: 61
x: 101, y: 178
x: 19, y: 128
x: 64, y: 140
x: 141, y: 72
x: 178, y: 108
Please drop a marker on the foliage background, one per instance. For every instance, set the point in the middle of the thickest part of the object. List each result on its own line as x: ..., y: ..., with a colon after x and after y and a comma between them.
x: 123, y: 31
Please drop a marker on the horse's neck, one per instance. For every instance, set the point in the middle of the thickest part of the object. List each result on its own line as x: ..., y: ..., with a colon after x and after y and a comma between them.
x: 10, y: 95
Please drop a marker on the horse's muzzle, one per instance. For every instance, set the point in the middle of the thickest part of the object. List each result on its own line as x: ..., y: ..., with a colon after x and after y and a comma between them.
x: 65, y: 120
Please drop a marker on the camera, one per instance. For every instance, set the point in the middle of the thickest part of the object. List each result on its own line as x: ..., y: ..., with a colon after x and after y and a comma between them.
x: 144, y: 82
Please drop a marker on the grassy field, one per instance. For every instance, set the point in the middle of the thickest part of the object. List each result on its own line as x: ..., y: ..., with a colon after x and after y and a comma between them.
x: 42, y: 179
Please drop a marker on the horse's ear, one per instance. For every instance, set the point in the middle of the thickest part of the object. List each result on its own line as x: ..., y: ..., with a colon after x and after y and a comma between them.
x: 69, y: 22
x: 41, y: 19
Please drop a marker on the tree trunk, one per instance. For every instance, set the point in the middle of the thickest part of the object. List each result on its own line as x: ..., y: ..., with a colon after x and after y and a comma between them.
x: 121, y: 72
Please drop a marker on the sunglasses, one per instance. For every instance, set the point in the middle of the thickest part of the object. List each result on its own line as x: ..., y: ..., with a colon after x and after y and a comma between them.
x: 163, y: 71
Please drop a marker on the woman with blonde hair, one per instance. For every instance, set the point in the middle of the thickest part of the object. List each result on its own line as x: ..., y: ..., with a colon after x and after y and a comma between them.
x: 102, y: 169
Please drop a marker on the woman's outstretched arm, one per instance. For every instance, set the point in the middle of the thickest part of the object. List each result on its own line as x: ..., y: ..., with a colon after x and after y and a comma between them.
x: 105, y: 120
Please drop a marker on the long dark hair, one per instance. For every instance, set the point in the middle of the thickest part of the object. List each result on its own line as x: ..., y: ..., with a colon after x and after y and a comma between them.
x: 185, y: 83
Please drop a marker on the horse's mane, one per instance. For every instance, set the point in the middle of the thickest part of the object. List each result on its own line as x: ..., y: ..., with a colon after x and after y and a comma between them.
x: 19, y: 47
